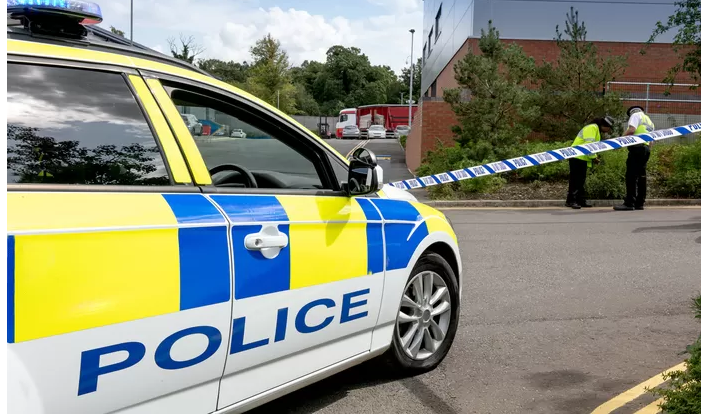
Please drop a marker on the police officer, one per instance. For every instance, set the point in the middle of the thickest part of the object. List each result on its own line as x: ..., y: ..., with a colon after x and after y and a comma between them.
x: 579, y: 165
x: 638, y: 156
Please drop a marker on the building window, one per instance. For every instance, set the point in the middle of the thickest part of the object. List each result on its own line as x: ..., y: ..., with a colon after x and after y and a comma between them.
x: 430, y: 38
x: 437, y: 23
x: 434, y: 89
x: 424, y: 50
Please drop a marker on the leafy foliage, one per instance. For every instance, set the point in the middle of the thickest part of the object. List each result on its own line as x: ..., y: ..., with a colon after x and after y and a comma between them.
x: 684, y: 394
x: 270, y: 77
x: 117, y: 31
x: 688, y: 40
x: 572, y: 91
x: 496, y: 117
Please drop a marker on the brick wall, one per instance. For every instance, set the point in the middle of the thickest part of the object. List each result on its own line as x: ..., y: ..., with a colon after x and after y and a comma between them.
x: 437, y: 117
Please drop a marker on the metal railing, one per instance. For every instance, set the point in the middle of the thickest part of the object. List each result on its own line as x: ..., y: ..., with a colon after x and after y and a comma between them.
x: 685, y: 95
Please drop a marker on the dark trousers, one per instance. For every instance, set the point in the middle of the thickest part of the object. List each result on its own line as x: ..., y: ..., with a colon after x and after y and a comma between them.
x: 636, y: 187
x: 578, y: 176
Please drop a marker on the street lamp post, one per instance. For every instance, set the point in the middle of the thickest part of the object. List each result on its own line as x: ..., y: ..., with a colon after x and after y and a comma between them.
x: 410, y: 87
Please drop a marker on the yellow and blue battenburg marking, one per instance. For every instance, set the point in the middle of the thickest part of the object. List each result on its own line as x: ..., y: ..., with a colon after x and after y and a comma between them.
x: 113, y: 258
x: 107, y: 258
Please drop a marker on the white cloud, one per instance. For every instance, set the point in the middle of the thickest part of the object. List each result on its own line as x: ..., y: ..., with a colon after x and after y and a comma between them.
x: 227, y: 29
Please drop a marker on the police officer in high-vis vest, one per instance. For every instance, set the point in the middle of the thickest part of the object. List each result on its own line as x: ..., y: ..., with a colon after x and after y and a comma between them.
x: 576, y: 198
x: 638, y: 156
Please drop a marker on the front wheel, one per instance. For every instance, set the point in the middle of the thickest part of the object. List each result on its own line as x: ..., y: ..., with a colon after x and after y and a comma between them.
x: 427, y: 318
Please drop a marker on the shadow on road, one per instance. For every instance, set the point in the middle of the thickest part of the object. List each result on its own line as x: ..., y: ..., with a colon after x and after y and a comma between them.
x: 328, y: 391
x: 689, y: 227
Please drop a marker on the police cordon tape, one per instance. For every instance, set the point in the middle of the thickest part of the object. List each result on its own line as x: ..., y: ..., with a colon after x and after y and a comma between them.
x: 544, y: 158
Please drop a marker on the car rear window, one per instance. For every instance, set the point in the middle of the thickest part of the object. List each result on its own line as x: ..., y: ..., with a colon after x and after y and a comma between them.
x: 77, y: 126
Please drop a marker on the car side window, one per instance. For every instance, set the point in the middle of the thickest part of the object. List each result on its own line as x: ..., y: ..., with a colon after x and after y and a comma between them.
x: 239, y: 146
x: 77, y: 126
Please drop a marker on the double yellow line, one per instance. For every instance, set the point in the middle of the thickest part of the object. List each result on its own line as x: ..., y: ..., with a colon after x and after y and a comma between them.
x: 635, y: 392
x: 359, y: 145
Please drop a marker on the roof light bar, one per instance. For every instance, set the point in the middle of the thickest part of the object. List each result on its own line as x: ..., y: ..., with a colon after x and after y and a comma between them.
x: 87, y: 13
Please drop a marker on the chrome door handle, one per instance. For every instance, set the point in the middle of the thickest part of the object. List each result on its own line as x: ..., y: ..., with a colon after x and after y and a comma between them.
x: 269, y: 241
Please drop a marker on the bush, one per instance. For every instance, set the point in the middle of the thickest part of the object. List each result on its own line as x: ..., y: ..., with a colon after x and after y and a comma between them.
x: 402, y: 140
x: 677, y: 168
x: 684, y: 396
x: 547, y: 172
x: 607, y: 180
x: 453, y: 158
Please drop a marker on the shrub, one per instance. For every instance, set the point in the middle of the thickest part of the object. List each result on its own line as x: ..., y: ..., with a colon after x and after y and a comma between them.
x: 607, y: 180
x: 452, y: 158
x: 677, y: 168
x: 684, y: 396
x: 402, y: 140
x: 554, y: 171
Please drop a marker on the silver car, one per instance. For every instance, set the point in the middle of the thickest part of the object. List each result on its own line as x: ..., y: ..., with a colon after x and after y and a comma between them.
x: 376, y: 131
x: 350, y: 131
x: 192, y: 123
x: 402, y: 130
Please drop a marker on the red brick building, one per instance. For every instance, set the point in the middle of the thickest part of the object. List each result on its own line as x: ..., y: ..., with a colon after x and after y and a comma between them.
x: 450, y: 31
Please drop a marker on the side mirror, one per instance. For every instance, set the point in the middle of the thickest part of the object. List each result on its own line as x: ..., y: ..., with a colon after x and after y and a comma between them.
x: 365, y: 175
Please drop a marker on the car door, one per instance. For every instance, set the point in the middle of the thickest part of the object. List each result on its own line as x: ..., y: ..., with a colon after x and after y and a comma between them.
x: 118, y: 268
x: 308, y: 260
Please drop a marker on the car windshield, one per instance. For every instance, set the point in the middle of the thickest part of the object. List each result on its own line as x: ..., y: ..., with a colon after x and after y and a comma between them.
x: 376, y: 127
x: 350, y: 127
x: 402, y: 127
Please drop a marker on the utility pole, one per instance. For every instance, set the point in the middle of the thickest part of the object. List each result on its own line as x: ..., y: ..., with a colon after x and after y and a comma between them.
x: 131, y: 21
x: 401, y: 97
x: 410, y: 87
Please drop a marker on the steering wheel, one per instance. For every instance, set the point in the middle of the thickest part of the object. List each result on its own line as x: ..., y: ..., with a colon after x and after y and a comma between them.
x: 233, y: 167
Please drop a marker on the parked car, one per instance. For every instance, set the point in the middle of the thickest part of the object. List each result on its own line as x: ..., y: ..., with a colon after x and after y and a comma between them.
x: 402, y: 130
x: 238, y: 133
x: 376, y: 131
x: 195, y: 127
x: 187, y: 275
x: 350, y: 131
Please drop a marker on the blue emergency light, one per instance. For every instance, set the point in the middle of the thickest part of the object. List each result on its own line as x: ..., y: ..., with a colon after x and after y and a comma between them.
x: 85, y: 12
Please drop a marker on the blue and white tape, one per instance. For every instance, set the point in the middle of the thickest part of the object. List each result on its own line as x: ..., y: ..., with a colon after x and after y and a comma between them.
x: 544, y: 158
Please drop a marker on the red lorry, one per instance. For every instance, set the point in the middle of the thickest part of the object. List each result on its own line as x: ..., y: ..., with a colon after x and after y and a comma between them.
x: 388, y: 115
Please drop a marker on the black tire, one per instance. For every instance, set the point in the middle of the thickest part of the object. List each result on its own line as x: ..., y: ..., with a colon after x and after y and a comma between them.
x: 398, y: 359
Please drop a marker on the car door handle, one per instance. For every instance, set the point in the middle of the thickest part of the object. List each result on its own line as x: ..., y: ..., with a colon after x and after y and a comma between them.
x: 269, y: 241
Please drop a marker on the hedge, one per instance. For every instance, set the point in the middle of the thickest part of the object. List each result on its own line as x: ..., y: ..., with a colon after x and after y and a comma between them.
x: 674, y: 169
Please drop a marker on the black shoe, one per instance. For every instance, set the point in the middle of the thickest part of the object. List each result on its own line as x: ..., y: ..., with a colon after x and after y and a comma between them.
x: 624, y: 207
x: 574, y: 205
x: 639, y: 208
x: 585, y: 205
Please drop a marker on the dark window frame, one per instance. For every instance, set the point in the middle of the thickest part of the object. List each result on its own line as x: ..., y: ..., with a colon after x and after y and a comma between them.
x: 324, y: 157
x: 430, y: 36
x: 124, y: 72
x: 438, y: 31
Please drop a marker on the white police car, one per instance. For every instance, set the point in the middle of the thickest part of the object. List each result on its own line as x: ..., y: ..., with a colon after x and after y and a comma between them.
x: 150, y: 272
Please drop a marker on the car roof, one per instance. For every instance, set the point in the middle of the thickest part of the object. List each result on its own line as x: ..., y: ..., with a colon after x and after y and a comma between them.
x: 99, y: 39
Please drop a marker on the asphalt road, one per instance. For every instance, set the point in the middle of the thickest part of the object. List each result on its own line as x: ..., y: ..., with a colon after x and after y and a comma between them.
x: 562, y: 310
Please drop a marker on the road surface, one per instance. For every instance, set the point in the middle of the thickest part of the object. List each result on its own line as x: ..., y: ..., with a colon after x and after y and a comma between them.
x: 562, y: 310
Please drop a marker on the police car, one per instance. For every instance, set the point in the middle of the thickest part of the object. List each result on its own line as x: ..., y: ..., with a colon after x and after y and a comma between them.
x: 149, y: 271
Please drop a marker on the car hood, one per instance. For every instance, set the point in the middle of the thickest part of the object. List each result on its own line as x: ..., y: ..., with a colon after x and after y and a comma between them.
x: 392, y: 192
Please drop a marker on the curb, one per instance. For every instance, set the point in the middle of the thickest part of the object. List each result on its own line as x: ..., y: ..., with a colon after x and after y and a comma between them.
x: 552, y: 203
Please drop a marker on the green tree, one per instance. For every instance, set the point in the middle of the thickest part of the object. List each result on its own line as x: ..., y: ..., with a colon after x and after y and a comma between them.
x: 573, y: 89
x: 231, y: 72
x: 688, y: 40
x: 270, y: 78
x: 117, y: 31
x: 188, y: 49
x: 406, y: 76
x: 496, y: 117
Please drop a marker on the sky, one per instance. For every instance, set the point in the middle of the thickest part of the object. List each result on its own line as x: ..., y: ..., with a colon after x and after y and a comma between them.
x: 305, y: 28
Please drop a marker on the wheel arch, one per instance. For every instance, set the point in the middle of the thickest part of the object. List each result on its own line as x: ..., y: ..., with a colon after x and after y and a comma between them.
x: 448, y: 254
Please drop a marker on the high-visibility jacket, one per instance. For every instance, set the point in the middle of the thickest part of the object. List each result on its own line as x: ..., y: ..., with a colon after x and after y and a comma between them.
x: 588, y: 134
x: 645, y: 126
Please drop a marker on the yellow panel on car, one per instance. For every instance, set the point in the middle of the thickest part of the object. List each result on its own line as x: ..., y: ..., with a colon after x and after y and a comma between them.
x: 46, y: 50
x: 434, y: 219
x: 74, y: 281
x: 63, y: 211
x: 331, y: 242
